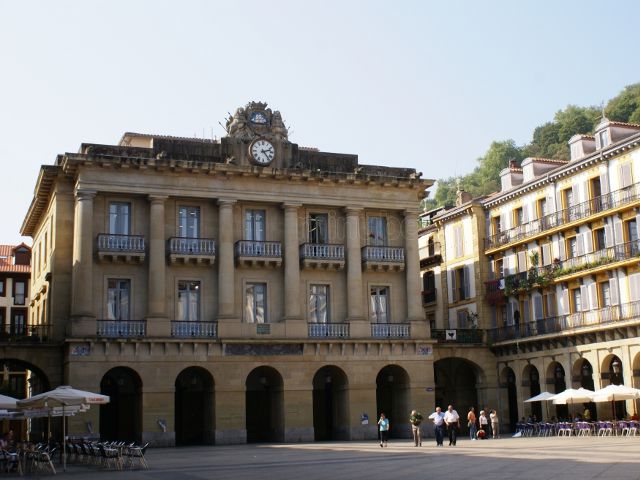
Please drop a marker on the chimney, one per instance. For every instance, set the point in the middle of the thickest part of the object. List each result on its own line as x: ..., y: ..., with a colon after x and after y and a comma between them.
x: 462, y: 197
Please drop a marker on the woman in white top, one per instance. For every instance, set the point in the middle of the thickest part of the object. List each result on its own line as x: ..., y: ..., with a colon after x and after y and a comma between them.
x: 484, y: 423
x: 495, y: 424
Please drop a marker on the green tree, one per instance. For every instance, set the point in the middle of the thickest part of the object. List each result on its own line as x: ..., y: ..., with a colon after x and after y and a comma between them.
x: 626, y: 106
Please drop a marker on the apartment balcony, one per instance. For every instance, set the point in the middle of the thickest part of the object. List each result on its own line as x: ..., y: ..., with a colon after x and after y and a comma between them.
x: 383, y: 259
x: 12, y: 333
x: 121, y: 328
x: 328, y: 330
x: 121, y: 248
x: 322, y: 256
x: 390, y: 330
x: 430, y: 255
x: 192, y: 251
x: 253, y: 253
x: 606, y: 316
x: 596, y: 207
x: 467, y: 336
x: 429, y: 296
x: 193, y: 329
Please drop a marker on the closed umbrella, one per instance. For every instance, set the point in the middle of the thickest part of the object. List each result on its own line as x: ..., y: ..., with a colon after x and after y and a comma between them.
x: 63, y: 396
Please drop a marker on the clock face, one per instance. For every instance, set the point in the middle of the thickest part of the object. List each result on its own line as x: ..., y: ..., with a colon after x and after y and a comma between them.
x: 262, y: 151
x: 259, y: 118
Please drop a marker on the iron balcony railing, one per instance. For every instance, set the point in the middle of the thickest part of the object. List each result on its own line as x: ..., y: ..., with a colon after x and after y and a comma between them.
x: 328, y: 330
x: 602, y: 203
x: 458, y: 335
x: 429, y: 296
x: 322, y: 251
x: 16, y: 332
x: 193, y: 329
x: 390, y: 330
x: 121, y: 328
x: 255, y: 248
x: 544, y: 326
x: 382, y: 254
x: 120, y: 243
x: 192, y: 246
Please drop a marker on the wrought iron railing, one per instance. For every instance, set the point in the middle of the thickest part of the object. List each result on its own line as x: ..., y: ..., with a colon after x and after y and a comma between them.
x: 382, y: 254
x: 328, y: 330
x: 192, y: 246
x: 121, y: 328
x: 602, y: 203
x: 120, y: 243
x: 588, y: 318
x: 322, y: 251
x: 458, y: 335
x: 193, y: 329
x: 390, y: 330
x: 255, y: 248
x: 25, y: 333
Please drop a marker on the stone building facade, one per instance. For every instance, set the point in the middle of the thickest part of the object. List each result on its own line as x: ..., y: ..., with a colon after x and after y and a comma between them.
x: 246, y: 289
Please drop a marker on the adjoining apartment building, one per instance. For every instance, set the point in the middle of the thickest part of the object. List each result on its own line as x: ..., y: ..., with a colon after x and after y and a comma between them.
x: 232, y: 290
x: 549, y: 267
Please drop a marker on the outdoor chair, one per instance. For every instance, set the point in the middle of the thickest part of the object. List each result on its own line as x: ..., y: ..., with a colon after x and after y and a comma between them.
x: 624, y: 428
x: 563, y: 429
x: 633, y: 428
x: 110, y: 456
x: 136, y: 452
x: 583, y: 429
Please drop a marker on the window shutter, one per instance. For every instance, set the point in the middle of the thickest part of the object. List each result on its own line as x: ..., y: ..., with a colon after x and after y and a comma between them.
x: 608, y: 236
x: 526, y: 317
x: 638, y: 225
x: 525, y: 213
x: 537, y: 307
x: 562, y: 248
x: 458, y: 236
x: 546, y: 254
x: 618, y: 234
x: 580, y: 244
x: 503, y: 222
x: 510, y: 313
x: 453, y: 296
x: 462, y: 318
x: 467, y: 281
x: 552, y: 307
x: 593, y: 295
x: 564, y: 302
x: 522, y: 261
x: 584, y: 298
x: 588, y: 241
x: 613, y: 291
x: 575, y: 189
x: 604, y: 183
x: 634, y: 287
x: 625, y: 175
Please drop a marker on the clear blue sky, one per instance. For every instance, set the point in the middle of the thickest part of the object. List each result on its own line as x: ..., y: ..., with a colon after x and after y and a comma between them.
x: 424, y: 84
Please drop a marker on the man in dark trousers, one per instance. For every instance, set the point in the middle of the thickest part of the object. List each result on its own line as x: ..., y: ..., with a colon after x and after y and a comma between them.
x: 438, y: 425
x: 452, y: 420
x: 416, y: 419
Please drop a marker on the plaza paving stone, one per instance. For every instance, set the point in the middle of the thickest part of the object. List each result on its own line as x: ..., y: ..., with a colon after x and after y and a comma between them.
x: 584, y: 458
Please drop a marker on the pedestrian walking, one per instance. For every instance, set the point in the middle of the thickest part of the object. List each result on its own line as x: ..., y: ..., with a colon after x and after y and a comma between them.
x: 471, y: 423
x: 384, y: 425
x: 437, y: 418
x: 495, y: 424
x: 416, y: 419
x: 452, y: 420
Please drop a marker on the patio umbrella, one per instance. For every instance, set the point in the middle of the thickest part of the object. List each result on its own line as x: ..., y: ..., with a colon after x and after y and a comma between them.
x: 541, y: 397
x: 613, y: 393
x: 7, y: 402
x: 572, y: 395
x: 63, y: 396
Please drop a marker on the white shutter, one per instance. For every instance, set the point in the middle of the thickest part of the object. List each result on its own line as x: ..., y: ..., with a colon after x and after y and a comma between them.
x: 608, y: 236
x: 588, y: 241
x: 584, y: 298
x: 625, y: 175
x: 613, y: 291
x: 538, y: 311
x: 564, y: 302
x: 546, y: 254
x: 604, y: 183
x: 575, y: 193
x: 634, y: 287
x: 503, y: 222
x: 593, y: 295
x: 522, y: 261
x: 618, y: 234
x: 525, y: 213
x: 638, y: 224
x: 562, y: 248
x: 579, y: 245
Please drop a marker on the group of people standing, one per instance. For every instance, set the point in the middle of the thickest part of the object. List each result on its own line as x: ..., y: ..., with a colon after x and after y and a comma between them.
x: 449, y: 420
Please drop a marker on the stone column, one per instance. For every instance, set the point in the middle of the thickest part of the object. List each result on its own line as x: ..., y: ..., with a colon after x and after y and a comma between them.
x: 415, y: 312
x: 83, y: 316
x: 291, y: 263
x: 157, y: 321
x: 226, y: 267
x: 355, y: 311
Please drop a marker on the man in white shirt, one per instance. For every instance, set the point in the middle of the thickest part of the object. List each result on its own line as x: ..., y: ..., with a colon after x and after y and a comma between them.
x: 452, y: 420
x: 438, y: 425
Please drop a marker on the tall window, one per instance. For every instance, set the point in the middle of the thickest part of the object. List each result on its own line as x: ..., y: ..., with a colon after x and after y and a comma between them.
x: 377, y: 231
x: 604, y: 138
x: 518, y: 216
x: 572, y: 247
x: 542, y: 208
x: 379, y: 305
x: 19, y: 292
x: 460, y: 287
x: 319, y: 304
x: 568, y: 197
x: 632, y: 231
x: 189, y: 222
x: 119, y: 218
x: 2, y: 325
x: 458, y: 239
x: 605, y: 294
x: 188, y: 301
x: 2, y: 294
x: 254, y: 225
x: 118, y: 299
x: 18, y: 321
x: 255, y: 304
x: 576, y: 300
x: 318, y: 231
x: 495, y: 222
x: 599, y: 239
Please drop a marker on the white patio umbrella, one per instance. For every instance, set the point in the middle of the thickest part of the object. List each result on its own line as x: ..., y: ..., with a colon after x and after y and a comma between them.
x: 613, y: 393
x: 572, y: 395
x: 542, y: 397
x: 7, y: 403
x: 63, y: 396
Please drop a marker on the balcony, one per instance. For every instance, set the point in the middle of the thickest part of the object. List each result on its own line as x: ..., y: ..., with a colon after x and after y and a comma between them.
x: 430, y: 255
x: 121, y: 328
x: 545, y: 326
x: 328, y: 330
x: 391, y: 330
x: 17, y: 333
x: 383, y: 258
x: 565, y: 218
x: 429, y: 296
x: 193, y: 329
x: 600, y: 259
x: 468, y: 336
x: 253, y: 253
x: 192, y: 251
x: 121, y: 248
x: 323, y: 256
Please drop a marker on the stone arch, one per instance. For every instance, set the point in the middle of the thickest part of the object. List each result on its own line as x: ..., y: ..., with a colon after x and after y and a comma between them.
x: 612, y: 373
x: 556, y: 376
x: 330, y: 404
x: 392, y: 398
x: 194, y: 404
x: 531, y: 379
x: 121, y: 418
x: 456, y: 382
x: 582, y: 377
x: 264, y: 405
x: 508, y: 399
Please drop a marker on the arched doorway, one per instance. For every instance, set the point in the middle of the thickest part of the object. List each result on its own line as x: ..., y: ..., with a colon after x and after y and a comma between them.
x: 264, y: 406
x: 392, y: 398
x: 583, y: 372
x: 614, y: 369
x: 531, y: 377
x: 330, y: 404
x: 21, y: 380
x: 508, y: 383
x: 555, y: 372
x: 121, y: 418
x: 456, y: 381
x: 194, y: 407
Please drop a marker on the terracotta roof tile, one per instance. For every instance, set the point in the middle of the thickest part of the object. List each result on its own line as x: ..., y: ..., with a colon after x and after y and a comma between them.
x: 623, y: 124
x: 6, y: 260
